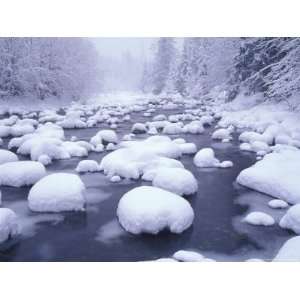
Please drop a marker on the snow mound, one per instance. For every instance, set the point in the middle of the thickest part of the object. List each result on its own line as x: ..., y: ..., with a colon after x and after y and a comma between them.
x: 188, y: 256
x: 195, y: 127
x: 87, y: 165
x: 277, y: 203
x: 151, y: 210
x: 132, y: 159
x: 205, y: 158
x: 177, y: 180
x: 259, y: 218
x: 138, y: 128
x: 277, y: 174
x: 8, y: 224
x: 221, y: 134
x: 290, y: 251
x: 108, y: 136
x: 291, y: 220
x: 57, y: 192
x: 7, y: 156
x: 21, y: 173
x: 172, y: 128
x: 188, y: 148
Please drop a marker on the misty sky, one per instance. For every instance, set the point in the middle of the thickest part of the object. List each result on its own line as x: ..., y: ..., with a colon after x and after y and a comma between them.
x: 115, y: 47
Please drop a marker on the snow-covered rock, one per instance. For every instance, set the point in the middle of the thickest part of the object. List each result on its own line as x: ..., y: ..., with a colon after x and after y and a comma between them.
x: 277, y: 203
x: 221, y: 134
x: 277, y: 174
x: 259, y: 218
x: 291, y: 220
x: 57, y: 192
x: 188, y: 148
x: 108, y: 136
x: 188, y: 256
x: 195, y: 127
x: 138, y: 128
x: 205, y: 158
x: 7, y: 156
x: 177, y: 180
x: 21, y: 173
x: 132, y: 159
x: 87, y: 165
x: 290, y: 251
x: 151, y: 210
x: 115, y: 178
x: 8, y: 224
x: 172, y: 128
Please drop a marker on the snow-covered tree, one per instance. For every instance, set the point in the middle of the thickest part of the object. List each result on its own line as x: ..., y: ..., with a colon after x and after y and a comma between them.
x: 44, y: 67
x: 162, y: 63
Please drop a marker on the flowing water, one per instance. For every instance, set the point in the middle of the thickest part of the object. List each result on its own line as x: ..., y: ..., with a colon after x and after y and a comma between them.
x: 95, y: 235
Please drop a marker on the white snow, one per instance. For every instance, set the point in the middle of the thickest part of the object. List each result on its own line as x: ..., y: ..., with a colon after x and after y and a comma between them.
x: 21, y: 173
x: 172, y: 128
x: 87, y: 165
x: 115, y: 178
x: 277, y: 203
x: 277, y: 174
x: 188, y: 256
x: 7, y: 156
x: 57, y: 192
x: 205, y: 158
x: 221, y: 134
x: 177, y: 180
x: 138, y: 128
x: 132, y: 159
x: 151, y: 210
x: 291, y: 220
x: 8, y: 224
x: 188, y: 148
x: 259, y: 218
x: 108, y: 136
x: 290, y: 251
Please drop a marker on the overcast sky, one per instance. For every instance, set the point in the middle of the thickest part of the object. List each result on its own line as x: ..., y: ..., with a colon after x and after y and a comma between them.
x: 115, y: 47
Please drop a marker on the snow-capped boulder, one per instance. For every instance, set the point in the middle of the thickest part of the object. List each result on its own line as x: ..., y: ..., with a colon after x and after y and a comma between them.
x: 290, y: 251
x: 87, y: 165
x: 74, y: 149
x: 115, y: 178
x: 277, y: 174
x: 188, y: 256
x: 57, y: 192
x: 259, y: 218
x: 177, y: 180
x: 195, y: 127
x: 221, y: 134
x: 205, y: 158
x: 108, y: 136
x: 172, y: 128
x: 5, y: 131
x: 188, y: 148
x: 278, y: 203
x: 138, y: 128
x: 7, y: 156
x: 245, y: 147
x: 132, y: 159
x: 291, y: 220
x: 151, y: 210
x: 21, y: 173
x: 8, y: 224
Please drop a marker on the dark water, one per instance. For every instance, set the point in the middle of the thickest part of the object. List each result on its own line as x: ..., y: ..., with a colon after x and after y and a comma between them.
x: 94, y: 235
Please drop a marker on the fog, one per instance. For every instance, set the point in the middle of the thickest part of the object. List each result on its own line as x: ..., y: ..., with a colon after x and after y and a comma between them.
x: 122, y: 61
